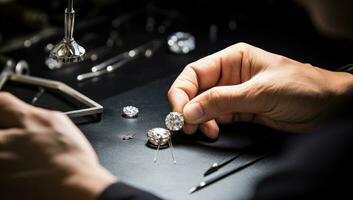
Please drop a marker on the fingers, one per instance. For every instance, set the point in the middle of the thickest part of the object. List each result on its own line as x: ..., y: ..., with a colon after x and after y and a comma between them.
x: 224, y: 101
x: 8, y: 136
x: 12, y: 110
x: 210, y: 129
x: 219, y: 68
x: 235, y: 117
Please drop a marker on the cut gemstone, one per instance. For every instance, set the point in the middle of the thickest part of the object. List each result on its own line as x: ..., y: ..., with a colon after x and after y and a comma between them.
x: 174, y: 121
x: 158, y: 136
x: 130, y: 111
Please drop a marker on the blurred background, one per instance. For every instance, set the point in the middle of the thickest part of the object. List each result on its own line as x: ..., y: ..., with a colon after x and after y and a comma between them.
x: 313, y: 31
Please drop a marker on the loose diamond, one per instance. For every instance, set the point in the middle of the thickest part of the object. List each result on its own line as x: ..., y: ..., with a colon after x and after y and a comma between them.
x: 174, y: 121
x: 130, y: 111
x: 158, y: 136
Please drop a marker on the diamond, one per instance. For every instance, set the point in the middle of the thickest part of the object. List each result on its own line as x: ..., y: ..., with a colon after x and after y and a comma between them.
x: 158, y: 136
x: 130, y: 111
x: 174, y: 121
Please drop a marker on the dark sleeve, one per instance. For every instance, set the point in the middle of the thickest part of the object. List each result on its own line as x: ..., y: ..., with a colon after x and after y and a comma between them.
x: 121, y: 191
x: 316, y: 165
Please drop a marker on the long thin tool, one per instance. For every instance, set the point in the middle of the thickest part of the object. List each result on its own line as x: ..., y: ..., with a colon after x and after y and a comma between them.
x: 38, y: 95
x: 217, y: 165
x: 212, y: 180
x: 120, y: 60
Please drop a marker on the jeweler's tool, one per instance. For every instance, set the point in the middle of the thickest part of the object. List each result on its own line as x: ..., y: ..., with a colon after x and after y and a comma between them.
x: 217, y: 165
x: 208, y: 182
x: 68, y: 50
x: 160, y: 138
x: 121, y: 59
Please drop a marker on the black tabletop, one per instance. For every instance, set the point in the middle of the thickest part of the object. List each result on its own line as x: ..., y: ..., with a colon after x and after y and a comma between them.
x: 132, y: 160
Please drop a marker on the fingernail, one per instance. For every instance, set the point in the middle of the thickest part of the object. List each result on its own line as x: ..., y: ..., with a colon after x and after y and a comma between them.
x: 193, y: 112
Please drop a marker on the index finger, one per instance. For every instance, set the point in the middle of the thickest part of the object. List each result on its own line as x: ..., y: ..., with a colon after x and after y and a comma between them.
x: 223, y: 67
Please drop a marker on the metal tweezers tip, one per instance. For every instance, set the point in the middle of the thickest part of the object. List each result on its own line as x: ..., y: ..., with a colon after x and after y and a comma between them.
x: 192, y: 190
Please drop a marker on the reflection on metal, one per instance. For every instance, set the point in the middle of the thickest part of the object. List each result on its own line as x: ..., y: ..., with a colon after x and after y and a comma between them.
x: 93, y: 109
x: 68, y: 50
x: 122, y: 59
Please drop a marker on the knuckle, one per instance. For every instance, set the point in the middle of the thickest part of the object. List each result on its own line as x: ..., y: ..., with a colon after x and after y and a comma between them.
x: 56, y: 115
x: 215, y: 98
x: 190, y: 66
x: 6, y: 97
x: 170, y: 93
x: 242, y: 46
x: 46, y: 118
x: 282, y: 60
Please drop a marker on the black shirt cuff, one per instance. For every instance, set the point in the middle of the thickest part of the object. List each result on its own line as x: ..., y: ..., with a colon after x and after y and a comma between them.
x: 121, y: 191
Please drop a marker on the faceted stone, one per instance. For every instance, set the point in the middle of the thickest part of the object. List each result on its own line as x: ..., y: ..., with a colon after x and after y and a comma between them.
x: 158, y: 136
x: 174, y: 121
x: 130, y: 111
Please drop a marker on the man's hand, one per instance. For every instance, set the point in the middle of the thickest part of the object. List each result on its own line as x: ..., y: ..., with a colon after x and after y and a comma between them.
x: 245, y: 83
x: 43, y: 155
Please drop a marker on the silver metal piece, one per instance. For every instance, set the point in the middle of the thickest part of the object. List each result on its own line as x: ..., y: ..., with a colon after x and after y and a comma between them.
x: 120, y: 60
x: 181, y: 43
x: 38, y: 95
x: 156, y: 155
x: 130, y: 111
x: 174, y: 121
x: 93, y: 108
x: 129, y: 136
x: 172, y: 150
x: 68, y: 50
x: 159, y: 137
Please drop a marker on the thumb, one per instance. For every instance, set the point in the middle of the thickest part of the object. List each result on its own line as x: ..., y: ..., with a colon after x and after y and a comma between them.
x: 223, y: 100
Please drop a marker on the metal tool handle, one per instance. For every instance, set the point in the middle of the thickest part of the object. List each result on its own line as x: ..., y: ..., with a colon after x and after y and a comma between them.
x: 69, y: 21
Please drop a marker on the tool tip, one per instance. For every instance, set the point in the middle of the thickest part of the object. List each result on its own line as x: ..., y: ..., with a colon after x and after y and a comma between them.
x: 192, y: 190
x: 79, y: 78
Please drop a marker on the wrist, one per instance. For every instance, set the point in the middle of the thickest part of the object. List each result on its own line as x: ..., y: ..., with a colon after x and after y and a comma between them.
x: 89, y: 184
x: 341, y: 84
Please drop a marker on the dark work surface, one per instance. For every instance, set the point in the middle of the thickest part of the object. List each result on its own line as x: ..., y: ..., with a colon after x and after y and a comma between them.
x: 132, y: 160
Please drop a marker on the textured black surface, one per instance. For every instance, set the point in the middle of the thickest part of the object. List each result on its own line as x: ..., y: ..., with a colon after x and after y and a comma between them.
x: 132, y: 160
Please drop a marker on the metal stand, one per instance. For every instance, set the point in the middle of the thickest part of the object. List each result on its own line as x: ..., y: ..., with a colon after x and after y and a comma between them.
x: 68, y: 50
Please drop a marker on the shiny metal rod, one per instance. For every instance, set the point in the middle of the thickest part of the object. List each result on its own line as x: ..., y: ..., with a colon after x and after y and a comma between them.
x: 69, y: 21
x: 70, y: 6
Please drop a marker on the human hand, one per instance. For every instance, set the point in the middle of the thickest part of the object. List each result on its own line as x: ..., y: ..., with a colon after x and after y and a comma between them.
x: 245, y: 83
x: 43, y: 155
